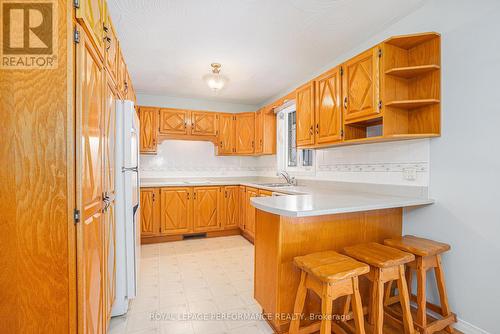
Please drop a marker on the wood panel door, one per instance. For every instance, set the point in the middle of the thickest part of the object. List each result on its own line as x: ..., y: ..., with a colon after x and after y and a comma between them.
x: 149, y: 212
x: 231, y: 207
x: 250, y: 211
x: 305, y: 115
x: 122, y: 75
x: 227, y: 134
x: 206, y: 208
x: 360, y: 85
x: 111, y: 49
x: 259, y: 132
x: 110, y: 96
x: 176, y: 210
x: 245, y: 133
x: 328, y: 107
x: 269, y: 132
x: 148, y: 118
x: 89, y: 177
x: 174, y: 121
x: 91, y: 14
x: 243, y: 205
x: 204, y: 123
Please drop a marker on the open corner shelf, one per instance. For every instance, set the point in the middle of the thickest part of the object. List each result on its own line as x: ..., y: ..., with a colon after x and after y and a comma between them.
x: 411, y: 71
x: 412, y: 104
x: 410, y: 41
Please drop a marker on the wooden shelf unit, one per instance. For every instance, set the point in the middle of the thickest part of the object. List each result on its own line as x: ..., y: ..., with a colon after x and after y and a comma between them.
x: 411, y: 85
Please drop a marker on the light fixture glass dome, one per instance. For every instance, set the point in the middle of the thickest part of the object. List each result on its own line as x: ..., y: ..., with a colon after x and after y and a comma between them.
x: 215, y: 80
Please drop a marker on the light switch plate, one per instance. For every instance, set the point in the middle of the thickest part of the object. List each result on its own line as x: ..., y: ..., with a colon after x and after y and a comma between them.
x: 410, y: 174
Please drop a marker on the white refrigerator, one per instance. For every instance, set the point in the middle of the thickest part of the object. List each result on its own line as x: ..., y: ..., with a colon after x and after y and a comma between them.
x: 127, y: 206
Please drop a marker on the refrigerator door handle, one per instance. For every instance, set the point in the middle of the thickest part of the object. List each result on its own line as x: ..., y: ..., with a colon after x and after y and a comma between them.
x: 130, y: 169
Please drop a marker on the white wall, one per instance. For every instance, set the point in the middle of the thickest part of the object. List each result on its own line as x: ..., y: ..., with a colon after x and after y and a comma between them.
x: 465, y: 161
x: 195, y: 104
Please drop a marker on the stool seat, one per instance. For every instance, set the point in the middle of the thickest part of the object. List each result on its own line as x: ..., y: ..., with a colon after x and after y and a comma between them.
x: 331, y: 266
x: 378, y: 255
x: 418, y: 246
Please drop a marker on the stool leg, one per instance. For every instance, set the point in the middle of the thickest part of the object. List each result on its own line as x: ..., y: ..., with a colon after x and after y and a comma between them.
x: 379, y: 306
x: 326, y: 310
x: 373, y: 301
x: 421, y: 296
x: 388, y: 293
x: 405, y: 301
x: 299, y: 304
x: 443, y: 296
x: 409, y: 279
x: 357, y: 308
x: 347, y: 305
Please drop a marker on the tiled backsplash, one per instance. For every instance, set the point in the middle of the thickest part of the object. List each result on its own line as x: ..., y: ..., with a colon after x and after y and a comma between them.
x: 374, y: 163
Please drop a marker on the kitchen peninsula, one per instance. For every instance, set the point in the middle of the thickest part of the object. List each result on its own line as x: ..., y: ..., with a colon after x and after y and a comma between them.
x: 290, y: 226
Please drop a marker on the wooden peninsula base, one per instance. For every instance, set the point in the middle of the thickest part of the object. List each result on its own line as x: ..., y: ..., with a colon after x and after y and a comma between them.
x: 278, y: 239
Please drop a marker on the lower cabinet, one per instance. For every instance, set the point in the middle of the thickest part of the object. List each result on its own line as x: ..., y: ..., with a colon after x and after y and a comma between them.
x: 207, y: 209
x: 149, y: 212
x: 176, y: 210
x: 243, y: 206
x: 231, y: 207
x: 250, y: 211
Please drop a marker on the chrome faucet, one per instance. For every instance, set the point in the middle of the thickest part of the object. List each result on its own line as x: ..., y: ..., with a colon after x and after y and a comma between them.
x: 289, y: 179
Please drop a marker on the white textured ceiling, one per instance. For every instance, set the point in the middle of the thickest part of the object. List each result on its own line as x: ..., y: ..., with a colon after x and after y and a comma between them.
x: 265, y: 46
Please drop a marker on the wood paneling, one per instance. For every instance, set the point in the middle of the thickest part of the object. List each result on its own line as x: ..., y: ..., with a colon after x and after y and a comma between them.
x: 111, y: 48
x: 328, y: 107
x: 148, y: 129
x: 231, y: 206
x: 259, y: 132
x: 175, y: 210
x: 250, y: 211
x: 227, y: 134
x: 89, y: 90
x: 245, y: 133
x: 206, y: 208
x: 150, y: 211
x: 305, y: 115
x: 269, y: 131
x: 91, y: 14
x: 174, y: 121
x: 243, y: 206
x: 204, y: 123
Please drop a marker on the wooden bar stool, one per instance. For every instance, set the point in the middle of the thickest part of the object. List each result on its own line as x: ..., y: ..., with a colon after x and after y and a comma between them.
x: 427, y: 256
x: 386, y: 265
x: 330, y: 275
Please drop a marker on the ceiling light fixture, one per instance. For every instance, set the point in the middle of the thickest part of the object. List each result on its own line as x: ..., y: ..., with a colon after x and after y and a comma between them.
x: 215, y: 80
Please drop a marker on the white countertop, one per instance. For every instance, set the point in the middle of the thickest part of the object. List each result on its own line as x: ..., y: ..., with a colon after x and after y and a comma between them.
x: 314, y: 198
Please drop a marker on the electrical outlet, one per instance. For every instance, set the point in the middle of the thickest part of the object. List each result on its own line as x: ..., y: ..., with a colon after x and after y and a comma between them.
x: 410, y: 174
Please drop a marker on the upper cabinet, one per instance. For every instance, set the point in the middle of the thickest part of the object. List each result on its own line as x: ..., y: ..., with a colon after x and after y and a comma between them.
x: 245, y: 133
x: 361, y: 85
x: 174, y: 121
x: 265, y: 131
x: 227, y: 134
x: 259, y: 124
x: 204, y: 123
x: 328, y: 107
x: 91, y: 14
x: 111, y: 49
x: 148, y: 118
x: 305, y: 115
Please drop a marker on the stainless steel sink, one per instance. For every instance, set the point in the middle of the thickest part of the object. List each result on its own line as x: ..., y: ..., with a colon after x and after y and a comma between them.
x: 274, y: 185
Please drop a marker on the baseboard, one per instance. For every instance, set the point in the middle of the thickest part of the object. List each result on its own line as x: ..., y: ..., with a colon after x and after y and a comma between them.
x: 468, y: 328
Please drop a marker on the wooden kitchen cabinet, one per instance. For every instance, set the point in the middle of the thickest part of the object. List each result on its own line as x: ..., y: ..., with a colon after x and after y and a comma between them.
x: 174, y: 121
x: 111, y: 48
x: 360, y: 85
x: 148, y: 118
x: 328, y: 107
x: 259, y: 132
x: 265, y: 193
x: 227, y: 134
x: 150, y: 212
x: 91, y: 14
x: 231, y: 207
x: 245, y: 133
x: 250, y: 211
x: 243, y: 206
x: 204, y: 123
x: 176, y: 208
x: 305, y: 115
x: 206, y: 208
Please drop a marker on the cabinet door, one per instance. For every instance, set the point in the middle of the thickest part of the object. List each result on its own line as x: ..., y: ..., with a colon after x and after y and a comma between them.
x: 245, y: 133
x: 265, y: 193
x: 231, y: 206
x: 250, y: 211
x: 149, y: 212
x: 175, y: 210
x: 226, y: 134
x: 259, y: 128
x: 204, y: 123
x: 206, y: 209
x: 328, y: 108
x: 174, y: 121
x: 305, y: 115
x: 109, y: 193
x: 122, y: 75
x: 360, y: 85
x: 111, y: 49
x: 89, y: 74
x: 149, y: 129
x: 243, y: 206
x: 269, y: 132
x: 91, y: 14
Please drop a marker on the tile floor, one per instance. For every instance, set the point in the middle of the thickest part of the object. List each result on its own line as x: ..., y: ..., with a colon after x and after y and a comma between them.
x: 205, y: 278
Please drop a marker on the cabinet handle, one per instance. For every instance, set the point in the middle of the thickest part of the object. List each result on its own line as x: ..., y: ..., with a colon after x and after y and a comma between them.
x: 221, y: 144
x: 311, y: 131
x: 253, y: 144
x: 188, y: 196
x: 317, y: 128
x: 194, y: 195
x: 185, y: 125
x: 345, y: 102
